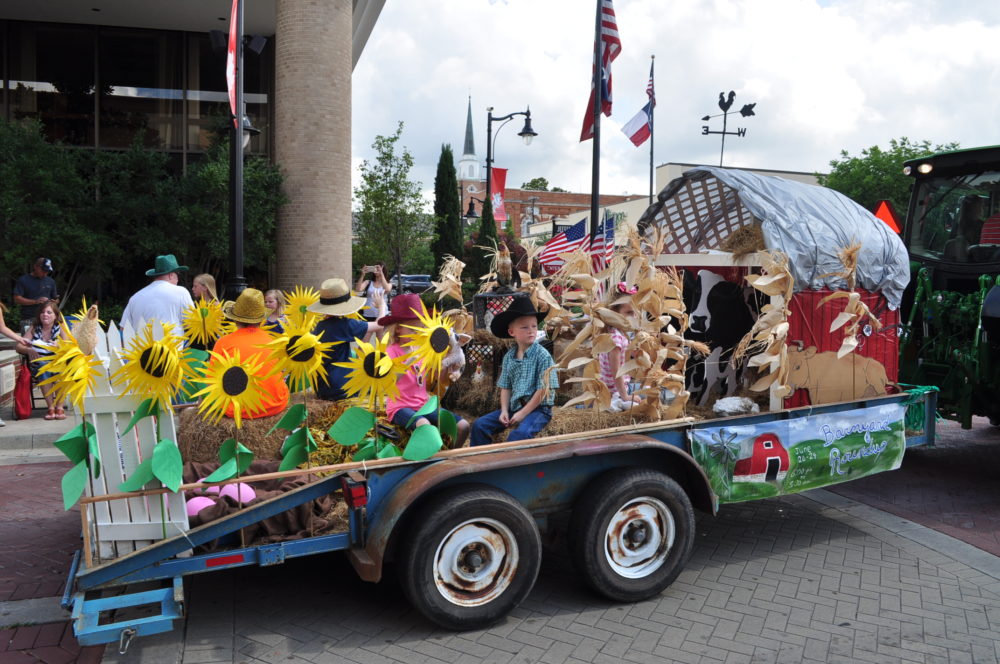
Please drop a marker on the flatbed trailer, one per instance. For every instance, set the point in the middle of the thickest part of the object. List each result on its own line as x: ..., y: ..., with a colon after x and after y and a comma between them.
x: 464, y: 527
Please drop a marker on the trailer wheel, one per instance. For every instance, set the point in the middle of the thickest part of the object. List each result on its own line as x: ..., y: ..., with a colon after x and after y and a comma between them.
x: 631, y: 532
x: 470, y: 558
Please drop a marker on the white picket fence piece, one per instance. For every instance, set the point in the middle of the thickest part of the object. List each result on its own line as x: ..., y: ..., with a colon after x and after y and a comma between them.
x: 121, y: 526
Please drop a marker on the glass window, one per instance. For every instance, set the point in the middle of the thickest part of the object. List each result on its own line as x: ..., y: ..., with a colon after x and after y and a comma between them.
x: 957, y: 218
x: 141, y: 88
x: 51, y: 71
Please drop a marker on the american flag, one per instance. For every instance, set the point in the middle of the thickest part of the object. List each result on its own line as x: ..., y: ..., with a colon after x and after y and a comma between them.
x: 611, y: 47
x: 570, y: 239
x: 649, y: 87
x: 602, y: 247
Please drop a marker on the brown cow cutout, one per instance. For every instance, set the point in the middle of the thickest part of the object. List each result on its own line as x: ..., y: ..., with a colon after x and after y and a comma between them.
x: 829, y: 379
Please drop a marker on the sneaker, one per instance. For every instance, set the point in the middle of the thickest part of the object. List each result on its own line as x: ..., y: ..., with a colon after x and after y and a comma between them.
x: 2, y: 423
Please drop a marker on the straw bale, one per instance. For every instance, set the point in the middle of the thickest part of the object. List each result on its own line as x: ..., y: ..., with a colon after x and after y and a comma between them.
x: 579, y: 420
x: 743, y: 241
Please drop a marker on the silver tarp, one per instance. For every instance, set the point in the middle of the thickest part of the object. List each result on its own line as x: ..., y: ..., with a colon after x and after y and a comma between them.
x: 808, y: 223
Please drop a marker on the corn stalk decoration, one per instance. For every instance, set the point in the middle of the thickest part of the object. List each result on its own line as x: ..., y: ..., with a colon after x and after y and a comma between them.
x: 855, y: 311
x: 657, y: 354
x: 766, y: 341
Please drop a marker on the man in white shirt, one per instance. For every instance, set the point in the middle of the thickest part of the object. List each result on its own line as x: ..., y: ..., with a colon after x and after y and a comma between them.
x: 162, y: 300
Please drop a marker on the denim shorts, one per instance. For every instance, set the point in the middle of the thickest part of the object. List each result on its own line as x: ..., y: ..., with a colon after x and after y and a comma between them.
x: 403, y: 416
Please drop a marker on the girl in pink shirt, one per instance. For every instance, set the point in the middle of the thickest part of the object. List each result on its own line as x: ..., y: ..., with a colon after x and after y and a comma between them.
x: 612, y: 361
x: 412, y: 390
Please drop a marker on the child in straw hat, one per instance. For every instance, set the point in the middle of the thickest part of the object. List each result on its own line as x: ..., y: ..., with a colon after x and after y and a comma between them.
x: 412, y: 389
x: 336, y: 303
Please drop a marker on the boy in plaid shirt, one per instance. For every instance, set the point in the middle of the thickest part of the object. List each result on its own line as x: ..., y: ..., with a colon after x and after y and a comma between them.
x: 522, y: 378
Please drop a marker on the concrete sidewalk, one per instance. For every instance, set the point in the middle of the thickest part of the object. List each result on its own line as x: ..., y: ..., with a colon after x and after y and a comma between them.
x: 30, y: 440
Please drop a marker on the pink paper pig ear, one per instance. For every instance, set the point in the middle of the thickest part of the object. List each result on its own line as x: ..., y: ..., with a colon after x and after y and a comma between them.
x: 463, y: 338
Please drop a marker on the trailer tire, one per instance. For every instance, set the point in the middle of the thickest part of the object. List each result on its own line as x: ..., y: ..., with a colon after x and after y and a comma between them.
x: 470, y: 558
x: 631, y: 532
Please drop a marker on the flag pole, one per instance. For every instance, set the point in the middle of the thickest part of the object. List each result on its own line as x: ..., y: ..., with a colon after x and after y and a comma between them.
x: 595, y: 179
x: 652, y: 127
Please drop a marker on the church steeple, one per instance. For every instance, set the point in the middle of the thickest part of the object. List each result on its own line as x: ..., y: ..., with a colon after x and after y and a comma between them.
x: 470, y: 142
x: 468, y: 166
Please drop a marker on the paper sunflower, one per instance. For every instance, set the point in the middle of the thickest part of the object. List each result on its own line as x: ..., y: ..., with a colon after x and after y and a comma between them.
x: 203, y: 322
x: 230, y: 382
x: 299, y: 300
x: 154, y: 369
x: 432, y: 339
x: 75, y: 371
x: 300, y: 354
x: 373, y: 373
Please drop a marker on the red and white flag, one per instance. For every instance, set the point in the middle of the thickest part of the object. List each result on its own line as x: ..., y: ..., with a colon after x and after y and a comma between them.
x: 610, y: 47
x: 498, y: 181
x: 231, y: 61
x: 640, y: 127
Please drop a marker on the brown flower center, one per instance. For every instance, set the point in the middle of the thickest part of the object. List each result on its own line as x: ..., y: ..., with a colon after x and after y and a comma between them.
x: 440, y: 340
x: 235, y: 381
x: 152, y: 363
x: 303, y: 355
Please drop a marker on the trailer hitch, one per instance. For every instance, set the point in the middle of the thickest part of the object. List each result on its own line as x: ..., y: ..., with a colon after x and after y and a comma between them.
x: 125, y: 640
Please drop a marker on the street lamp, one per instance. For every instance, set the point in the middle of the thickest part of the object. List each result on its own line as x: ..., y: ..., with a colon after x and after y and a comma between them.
x: 527, y: 133
x: 471, y: 212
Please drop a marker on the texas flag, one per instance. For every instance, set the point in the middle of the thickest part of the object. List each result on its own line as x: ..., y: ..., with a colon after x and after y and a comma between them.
x: 638, y: 129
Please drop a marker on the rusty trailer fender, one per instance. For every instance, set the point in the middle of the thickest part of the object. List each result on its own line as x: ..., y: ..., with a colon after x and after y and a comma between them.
x: 475, y: 462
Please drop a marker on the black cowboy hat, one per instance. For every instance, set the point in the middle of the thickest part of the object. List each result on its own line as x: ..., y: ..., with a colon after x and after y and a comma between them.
x: 521, y: 306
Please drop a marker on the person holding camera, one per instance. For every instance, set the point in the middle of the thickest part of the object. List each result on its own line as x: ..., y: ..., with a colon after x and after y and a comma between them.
x: 370, y: 283
x: 35, y: 289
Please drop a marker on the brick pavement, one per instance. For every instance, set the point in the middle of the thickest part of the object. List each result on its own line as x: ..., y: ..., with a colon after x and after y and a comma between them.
x: 37, y: 541
x: 780, y: 580
x: 951, y: 487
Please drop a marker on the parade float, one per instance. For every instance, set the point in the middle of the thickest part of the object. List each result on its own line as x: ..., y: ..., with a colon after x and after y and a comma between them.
x: 463, y: 526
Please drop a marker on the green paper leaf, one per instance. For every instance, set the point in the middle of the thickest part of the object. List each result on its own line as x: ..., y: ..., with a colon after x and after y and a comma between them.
x: 424, y: 443
x: 196, y: 355
x: 95, y: 453
x: 351, y: 426
x: 76, y: 432
x: 224, y: 472
x: 292, y: 419
x: 146, y: 408
x: 365, y: 453
x: 73, y: 484
x: 231, y: 449
x: 142, y: 475
x: 389, y: 451
x: 295, y: 457
x: 297, y: 439
x: 168, y: 467
x: 75, y: 448
x: 311, y: 445
x: 448, y: 425
x: 429, y: 407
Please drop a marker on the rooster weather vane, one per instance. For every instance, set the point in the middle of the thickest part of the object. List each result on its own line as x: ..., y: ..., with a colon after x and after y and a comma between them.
x: 725, y: 103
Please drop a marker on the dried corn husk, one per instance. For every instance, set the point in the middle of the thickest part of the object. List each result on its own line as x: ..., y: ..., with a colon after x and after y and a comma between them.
x: 766, y: 340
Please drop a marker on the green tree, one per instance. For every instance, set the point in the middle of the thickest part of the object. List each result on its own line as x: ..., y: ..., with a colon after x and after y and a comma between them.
x: 877, y: 174
x: 447, y: 210
x: 389, y: 225
x: 536, y: 184
x: 479, y: 261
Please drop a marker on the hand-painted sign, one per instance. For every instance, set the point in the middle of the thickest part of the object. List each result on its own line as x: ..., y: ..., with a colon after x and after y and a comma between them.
x: 775, y: 458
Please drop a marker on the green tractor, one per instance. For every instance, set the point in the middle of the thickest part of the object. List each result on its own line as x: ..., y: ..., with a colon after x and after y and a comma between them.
x: 950, y: 335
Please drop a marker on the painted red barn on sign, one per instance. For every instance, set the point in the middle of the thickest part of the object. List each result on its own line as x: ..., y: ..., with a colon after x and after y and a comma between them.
x: 767, y: 463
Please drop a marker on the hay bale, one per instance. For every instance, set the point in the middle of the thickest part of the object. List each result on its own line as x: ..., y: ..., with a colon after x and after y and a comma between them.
x: 199, y: 440
x: 579, y: 420
x: 744, y: 240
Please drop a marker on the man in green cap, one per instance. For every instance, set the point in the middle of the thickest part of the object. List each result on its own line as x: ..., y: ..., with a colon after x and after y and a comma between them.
x: 161, y: 300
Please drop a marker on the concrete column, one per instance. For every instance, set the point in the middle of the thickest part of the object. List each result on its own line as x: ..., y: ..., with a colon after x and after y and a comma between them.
x: 313, y: 62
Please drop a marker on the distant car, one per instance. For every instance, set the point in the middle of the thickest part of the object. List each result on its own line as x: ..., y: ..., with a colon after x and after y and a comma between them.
x: 413, y: 283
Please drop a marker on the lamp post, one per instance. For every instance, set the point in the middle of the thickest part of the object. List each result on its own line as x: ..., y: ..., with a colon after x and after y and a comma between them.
x: 471, y: 212
x: 527, y: 133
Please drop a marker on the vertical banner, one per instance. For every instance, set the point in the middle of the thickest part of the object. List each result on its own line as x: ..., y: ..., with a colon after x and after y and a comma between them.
x: 231, y: 60
x: 498, y: 180
x: 788, y: 456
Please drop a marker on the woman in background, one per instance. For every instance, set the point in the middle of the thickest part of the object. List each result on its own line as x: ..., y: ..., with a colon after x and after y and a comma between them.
x: 203, y: 286
x: 43, y: 332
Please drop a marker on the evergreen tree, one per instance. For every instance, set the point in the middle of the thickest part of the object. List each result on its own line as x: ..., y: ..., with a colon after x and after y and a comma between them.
x: 447, y: 210
x: 487, y: 238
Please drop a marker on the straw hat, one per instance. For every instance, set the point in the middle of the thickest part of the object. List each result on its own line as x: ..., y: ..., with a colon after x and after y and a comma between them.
x: 248, y: 307
x: 335, y: 299
x: 404, y: 308
x: 165, y: 265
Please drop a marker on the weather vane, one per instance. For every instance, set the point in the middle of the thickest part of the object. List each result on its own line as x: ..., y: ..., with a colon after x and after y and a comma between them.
x: 725, y: 103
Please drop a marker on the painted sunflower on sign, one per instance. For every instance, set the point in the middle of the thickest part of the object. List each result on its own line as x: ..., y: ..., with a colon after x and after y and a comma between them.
x: 299, y: 301
x: 203, y: 322
x: 373, y: 372
x: 300, y: 354
x: 154, y: 368
x: 432, y: 339
x: 230, y: 382
x: 75, y: 371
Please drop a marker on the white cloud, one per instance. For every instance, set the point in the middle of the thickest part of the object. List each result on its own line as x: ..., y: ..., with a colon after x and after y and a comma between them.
x: 826, y: 76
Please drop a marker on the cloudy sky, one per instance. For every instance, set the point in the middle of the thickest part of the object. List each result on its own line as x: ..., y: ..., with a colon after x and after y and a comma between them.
x: 826, y: 75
